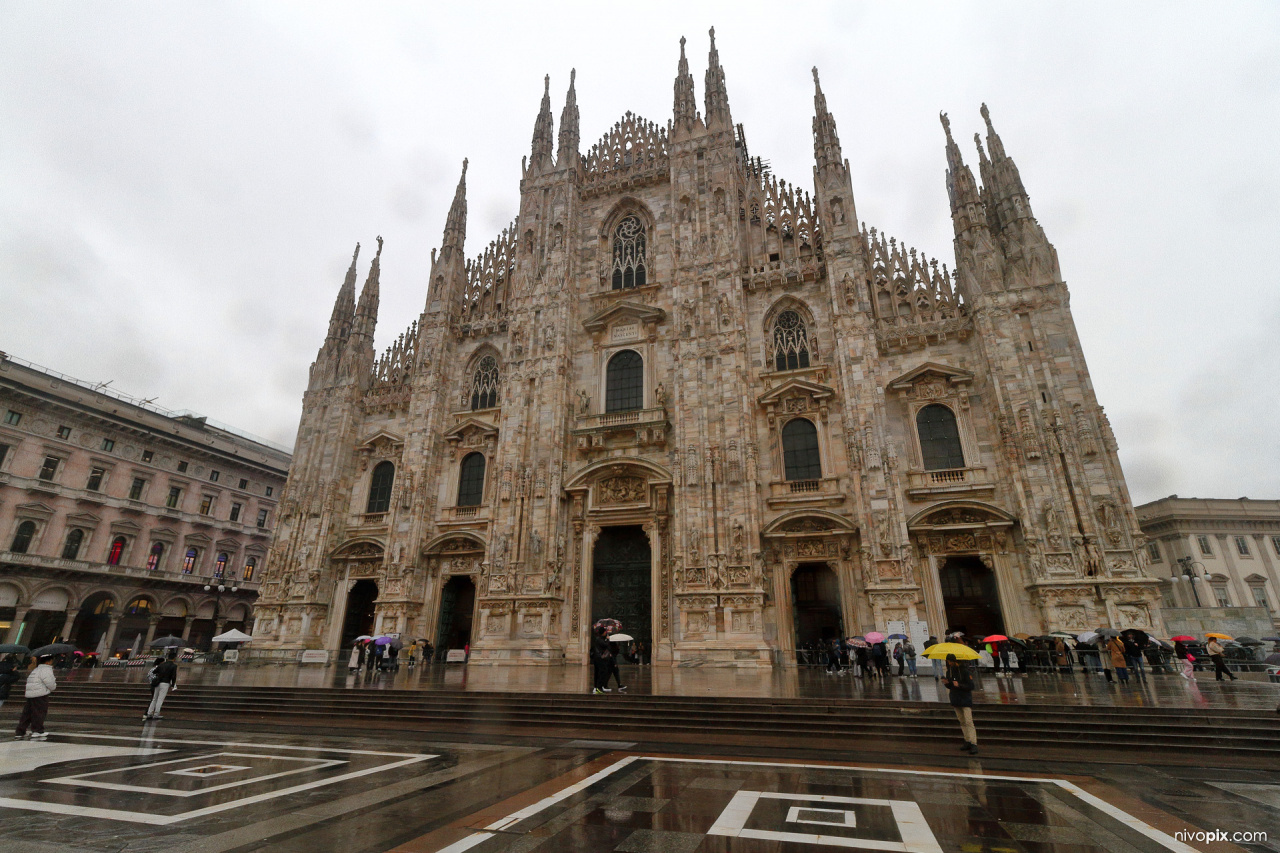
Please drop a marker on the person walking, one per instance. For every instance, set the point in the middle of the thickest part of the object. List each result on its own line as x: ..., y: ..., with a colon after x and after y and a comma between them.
x: 909, y: 654
x: 8, y: 675
x: 1216, y: 652
x: 40, y: 683
x: 614, y: 654
x: 881, y: 656
x: 1002, y: 655
x: 1186, y: 660
x: 164, y: 680
x: 899, y: 659
x: 353, y: 662
x: 863, y: 658
x: 959, y: 684
x: 833, y: 657
x: 1115, y: 649
x: 937, y: 664
x: 600, y: 652
x: 1133, y: 657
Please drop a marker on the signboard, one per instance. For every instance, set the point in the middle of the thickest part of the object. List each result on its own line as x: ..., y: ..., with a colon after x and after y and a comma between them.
x: 456, y: 656
x: 313, y: 656
x: 231, y: 655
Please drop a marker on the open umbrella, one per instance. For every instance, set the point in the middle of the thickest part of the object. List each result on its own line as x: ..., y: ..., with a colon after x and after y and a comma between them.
x: 939, y: 651
x: 13, y: 648
x: 620, y: 638
x: 874, y: 637
x: 858, y: 643
x: 995, y: 638
x: 1213, y: 635
x: 1108, y: 632
x: 1273, y: 659
x: 167, y: 642
x: 54, y: 649
x: 362, y: 638
x: 1272, y: 639
x: 898, y: 637
x: 1248, y: 641
x: 1087, y: 637
x: 393, y: 642
x: 610, y: 626
x: 1183, y: 638
x: 1139, y: 636
x: 1022, y: 636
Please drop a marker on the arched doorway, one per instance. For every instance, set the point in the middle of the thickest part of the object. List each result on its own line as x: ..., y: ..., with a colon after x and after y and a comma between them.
x: 359, y: 615
x: 815, y: 607
x: 622, y: 580
x: 457, y: 607
x: 969, y: 597
x: 93, y: 621
x: 134, y: 622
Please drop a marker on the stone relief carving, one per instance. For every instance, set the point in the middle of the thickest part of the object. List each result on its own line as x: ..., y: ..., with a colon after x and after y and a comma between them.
x: 621, y: 489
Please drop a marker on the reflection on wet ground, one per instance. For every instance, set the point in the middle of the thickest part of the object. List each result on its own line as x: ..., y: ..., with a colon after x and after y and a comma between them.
x: 92, y: 789
x: 1159, y: 689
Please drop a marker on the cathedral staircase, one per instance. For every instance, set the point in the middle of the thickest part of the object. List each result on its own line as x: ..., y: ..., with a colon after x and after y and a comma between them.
x: 1127, y: 735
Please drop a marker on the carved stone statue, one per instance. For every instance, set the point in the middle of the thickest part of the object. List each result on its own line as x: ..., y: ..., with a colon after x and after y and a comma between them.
x: 584, y: 401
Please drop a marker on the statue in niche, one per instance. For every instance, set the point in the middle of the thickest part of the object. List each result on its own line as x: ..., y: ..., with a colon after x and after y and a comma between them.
x: 726, y: 309
x: 660, y: 395
x: 584, y: 401
x: 737, y: 535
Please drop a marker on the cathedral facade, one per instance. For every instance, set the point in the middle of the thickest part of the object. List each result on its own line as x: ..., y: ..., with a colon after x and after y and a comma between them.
x: 682, y: 392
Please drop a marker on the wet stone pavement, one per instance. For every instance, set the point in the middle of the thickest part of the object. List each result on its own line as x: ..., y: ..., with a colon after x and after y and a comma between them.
x: 191, y: 787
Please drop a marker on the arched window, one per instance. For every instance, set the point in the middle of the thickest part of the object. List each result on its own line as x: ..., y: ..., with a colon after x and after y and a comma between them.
x: 630, y: 263
x: 471, y: 480
x: 384, y: 473
x: 189, y: 561
x: 220, y: 565
x: 800, y: 450
x: 484, y: 384
x: 790, y: 342
x: 71, y: 548
x: 624, y: 382
x: 22, y: 538
x: 117, y: 551
x: 153, y: 559
x: 250, y: 566
x: 939, y: 438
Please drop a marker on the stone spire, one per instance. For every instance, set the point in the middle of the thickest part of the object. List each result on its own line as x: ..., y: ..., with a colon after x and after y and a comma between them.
x: 455, y: 227
x: 686, y: 103
x: 826, y: 144
x: 1000, y: 178
x: 961, y: 186
x: 543, y: 133
x: 567, y: 155
x: 344, y: 306
x: 717, y: 96
x: 367, y: 311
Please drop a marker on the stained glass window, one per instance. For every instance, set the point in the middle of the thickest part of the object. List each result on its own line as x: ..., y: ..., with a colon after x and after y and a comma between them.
x: 630, y: 262
x: 484, y: 384
x: 939, y: 438
x: 800, y: 456
x: 790, y: 342
x: 471, y: 480
x: 153, y: 559
x: 384, y: 473
x: 624, y: 382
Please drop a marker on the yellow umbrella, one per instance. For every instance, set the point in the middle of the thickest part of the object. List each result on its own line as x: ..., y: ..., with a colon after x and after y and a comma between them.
x: 939, y: 651
x: 1213, y: 636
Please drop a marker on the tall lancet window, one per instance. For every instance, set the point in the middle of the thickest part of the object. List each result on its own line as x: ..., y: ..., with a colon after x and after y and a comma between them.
x: 630, y: 263
x: 484, y: 384
x: 790, y: 342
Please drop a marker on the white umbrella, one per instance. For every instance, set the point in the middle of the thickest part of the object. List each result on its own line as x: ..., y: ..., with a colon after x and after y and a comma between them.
x: 233, y: 636
x: 1087, y: 637
x: 620, y: 638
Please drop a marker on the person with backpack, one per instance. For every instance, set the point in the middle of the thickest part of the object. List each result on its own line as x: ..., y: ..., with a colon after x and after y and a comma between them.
x: 909, y: 655
x: 959, y: 684
x: 164, y: 679
x: 899, y: 659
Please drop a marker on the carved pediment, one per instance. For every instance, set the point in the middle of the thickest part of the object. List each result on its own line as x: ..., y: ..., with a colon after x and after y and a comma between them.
x: 33, y: 510
x: 809, y: 522
x: 961, y: 514
x: 621, y: 312
x: 361, y: 549
x: 83, y: 519
x: 453, y: 543
x: 932, y: 375
x: 796, y: 389
x: 471, y: 432
x: 382, y: 443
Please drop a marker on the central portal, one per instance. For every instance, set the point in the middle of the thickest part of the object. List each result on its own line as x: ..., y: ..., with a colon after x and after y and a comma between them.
x: 815, y: 606
x: 970, y: 598
x: 621, y: 580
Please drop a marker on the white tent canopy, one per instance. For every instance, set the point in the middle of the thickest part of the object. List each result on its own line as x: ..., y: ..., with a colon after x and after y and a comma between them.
x: 232, y: 636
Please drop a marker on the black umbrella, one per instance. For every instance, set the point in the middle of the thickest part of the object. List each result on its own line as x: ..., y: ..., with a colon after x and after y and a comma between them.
x: 1139, y: 636
x: 1108, y: 632
x: 55, y: 649
x: 1273, y: 659
x: 1248, y: 641
x: 13, y: 648
x: 167, y: 642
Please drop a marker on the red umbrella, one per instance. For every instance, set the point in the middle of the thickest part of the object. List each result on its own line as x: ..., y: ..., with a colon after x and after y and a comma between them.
x: 994, y: 638
x: 1183, y: 638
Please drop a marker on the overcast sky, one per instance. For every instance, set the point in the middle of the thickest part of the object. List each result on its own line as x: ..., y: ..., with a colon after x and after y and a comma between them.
x: 181, y: 185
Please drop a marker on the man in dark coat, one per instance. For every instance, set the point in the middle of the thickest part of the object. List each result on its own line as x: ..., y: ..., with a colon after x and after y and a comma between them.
x: 959, y: 684
x: 601, y: 658
x: 164, y: 680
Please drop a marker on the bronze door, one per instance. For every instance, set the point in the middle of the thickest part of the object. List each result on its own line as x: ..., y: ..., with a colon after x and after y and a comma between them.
x: 622, y: 586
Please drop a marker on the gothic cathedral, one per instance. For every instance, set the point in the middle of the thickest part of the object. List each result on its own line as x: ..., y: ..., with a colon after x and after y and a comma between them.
x: 683, y: 393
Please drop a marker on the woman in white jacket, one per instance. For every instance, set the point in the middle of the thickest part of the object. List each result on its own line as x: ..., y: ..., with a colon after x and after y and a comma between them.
x: 40, y: 683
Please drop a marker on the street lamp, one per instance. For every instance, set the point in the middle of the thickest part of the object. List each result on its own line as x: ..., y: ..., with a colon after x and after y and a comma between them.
x: 1188, y: 567
x: 217, y: 599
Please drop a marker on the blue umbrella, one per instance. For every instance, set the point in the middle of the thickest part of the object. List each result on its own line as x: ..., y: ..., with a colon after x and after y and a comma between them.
x: 898, y: 637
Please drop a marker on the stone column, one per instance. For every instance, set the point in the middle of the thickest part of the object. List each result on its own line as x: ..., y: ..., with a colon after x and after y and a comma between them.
x: 152, y: 623
x: 69, y: 624
x: 109, y: 638
x: 186, y: 627
x: 18, y: 616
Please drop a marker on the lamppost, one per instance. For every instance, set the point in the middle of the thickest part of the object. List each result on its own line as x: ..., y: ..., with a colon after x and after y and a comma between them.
x: 217, y: 600
x: 1188, y: 567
